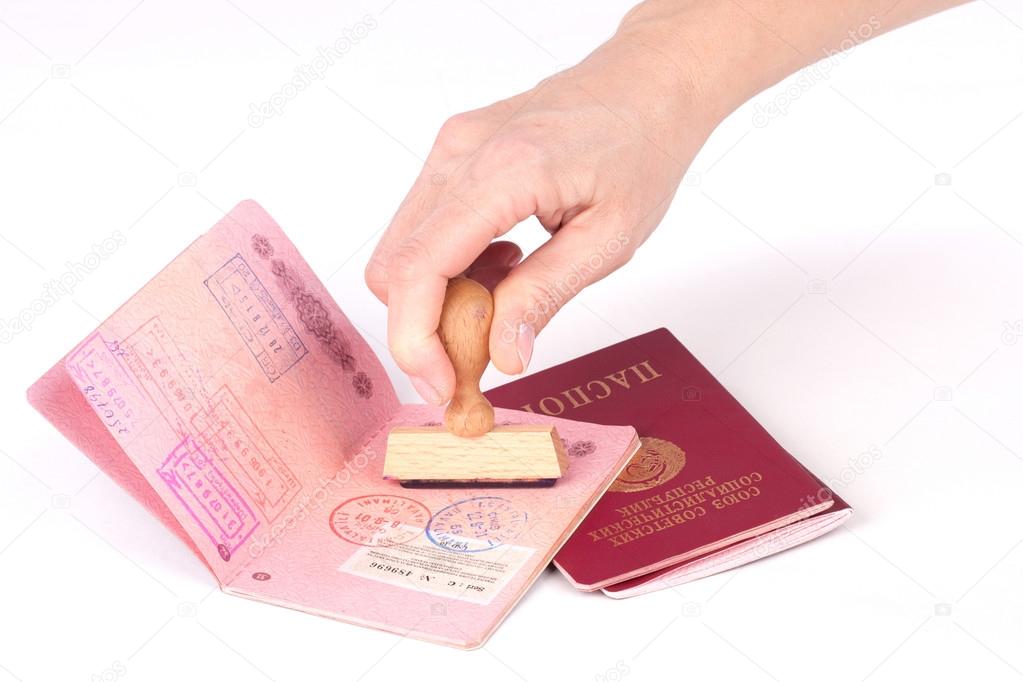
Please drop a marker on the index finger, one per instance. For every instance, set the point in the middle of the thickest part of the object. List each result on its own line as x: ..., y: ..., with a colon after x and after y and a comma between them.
x: 417, y: 204
x: 443, y: 246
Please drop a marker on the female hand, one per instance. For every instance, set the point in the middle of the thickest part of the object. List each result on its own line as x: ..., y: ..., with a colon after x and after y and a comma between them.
x: 595, y: 153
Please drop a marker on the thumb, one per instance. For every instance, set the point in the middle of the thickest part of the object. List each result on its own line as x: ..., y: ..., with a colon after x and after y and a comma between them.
x: 578, y: 255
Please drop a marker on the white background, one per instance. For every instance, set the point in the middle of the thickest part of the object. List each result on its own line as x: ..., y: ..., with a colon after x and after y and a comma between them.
x: 852, y: 271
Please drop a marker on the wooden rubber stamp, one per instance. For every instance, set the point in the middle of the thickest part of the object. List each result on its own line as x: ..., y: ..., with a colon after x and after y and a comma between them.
x: 469, y: 451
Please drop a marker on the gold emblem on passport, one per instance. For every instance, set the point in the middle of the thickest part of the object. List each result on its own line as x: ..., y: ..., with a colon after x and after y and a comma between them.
x: 657, y: 461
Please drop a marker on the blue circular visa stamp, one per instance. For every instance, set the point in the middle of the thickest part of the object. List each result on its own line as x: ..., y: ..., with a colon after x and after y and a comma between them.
x: 476, y: 524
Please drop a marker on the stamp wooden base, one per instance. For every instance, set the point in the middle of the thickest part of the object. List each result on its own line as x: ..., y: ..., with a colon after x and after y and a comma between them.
x: 505, y: 456
x: 468, y: 450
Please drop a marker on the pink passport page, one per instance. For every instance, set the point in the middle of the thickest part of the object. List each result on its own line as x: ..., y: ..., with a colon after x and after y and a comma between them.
x: 234, y: 400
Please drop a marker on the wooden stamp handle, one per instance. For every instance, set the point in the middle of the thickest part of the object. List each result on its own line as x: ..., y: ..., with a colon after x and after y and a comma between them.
x: 465, y: 332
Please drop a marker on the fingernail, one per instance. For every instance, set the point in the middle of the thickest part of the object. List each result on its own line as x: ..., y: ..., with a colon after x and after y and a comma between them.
x: 524, y: 344
x: 429, y: 393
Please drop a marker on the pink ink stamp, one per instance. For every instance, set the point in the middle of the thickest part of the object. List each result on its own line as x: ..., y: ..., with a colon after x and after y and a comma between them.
x: 211, y: 500
x: 110, y: 392
x: 379, y: 520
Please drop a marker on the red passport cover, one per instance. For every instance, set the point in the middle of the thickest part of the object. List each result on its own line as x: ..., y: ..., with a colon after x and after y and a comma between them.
x: 709, y: 488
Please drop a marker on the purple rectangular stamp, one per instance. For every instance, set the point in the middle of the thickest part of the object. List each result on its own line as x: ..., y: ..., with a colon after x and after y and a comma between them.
x: 209, y: 497
x: 115, y: 398
x: 256, y: 317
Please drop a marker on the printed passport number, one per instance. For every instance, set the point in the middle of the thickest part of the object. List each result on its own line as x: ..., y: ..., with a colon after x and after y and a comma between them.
x: 422, y: 566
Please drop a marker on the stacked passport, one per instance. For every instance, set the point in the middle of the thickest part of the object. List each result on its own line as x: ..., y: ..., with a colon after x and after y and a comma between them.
x: 709, y: 488
x: 236, y: 402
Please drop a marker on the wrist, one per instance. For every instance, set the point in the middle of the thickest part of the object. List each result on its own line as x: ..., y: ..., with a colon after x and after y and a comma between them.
x: 654, y: 78
x: 726, y: 55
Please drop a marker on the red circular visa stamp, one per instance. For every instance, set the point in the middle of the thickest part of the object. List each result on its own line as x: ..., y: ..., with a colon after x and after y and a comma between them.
x: 379, y: 520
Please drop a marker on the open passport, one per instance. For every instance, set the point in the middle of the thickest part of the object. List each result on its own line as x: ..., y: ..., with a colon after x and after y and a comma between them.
x: 233, y: 399
x: 708, y: 490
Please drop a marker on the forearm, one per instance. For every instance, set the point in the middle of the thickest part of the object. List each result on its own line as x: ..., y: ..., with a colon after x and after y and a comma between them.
x: 730, y: 50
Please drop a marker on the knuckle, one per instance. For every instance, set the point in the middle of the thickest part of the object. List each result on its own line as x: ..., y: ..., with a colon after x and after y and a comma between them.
x: 458, y: 124
x: 455, y: 134
x: 408, y: 262
x: 375, y: 275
